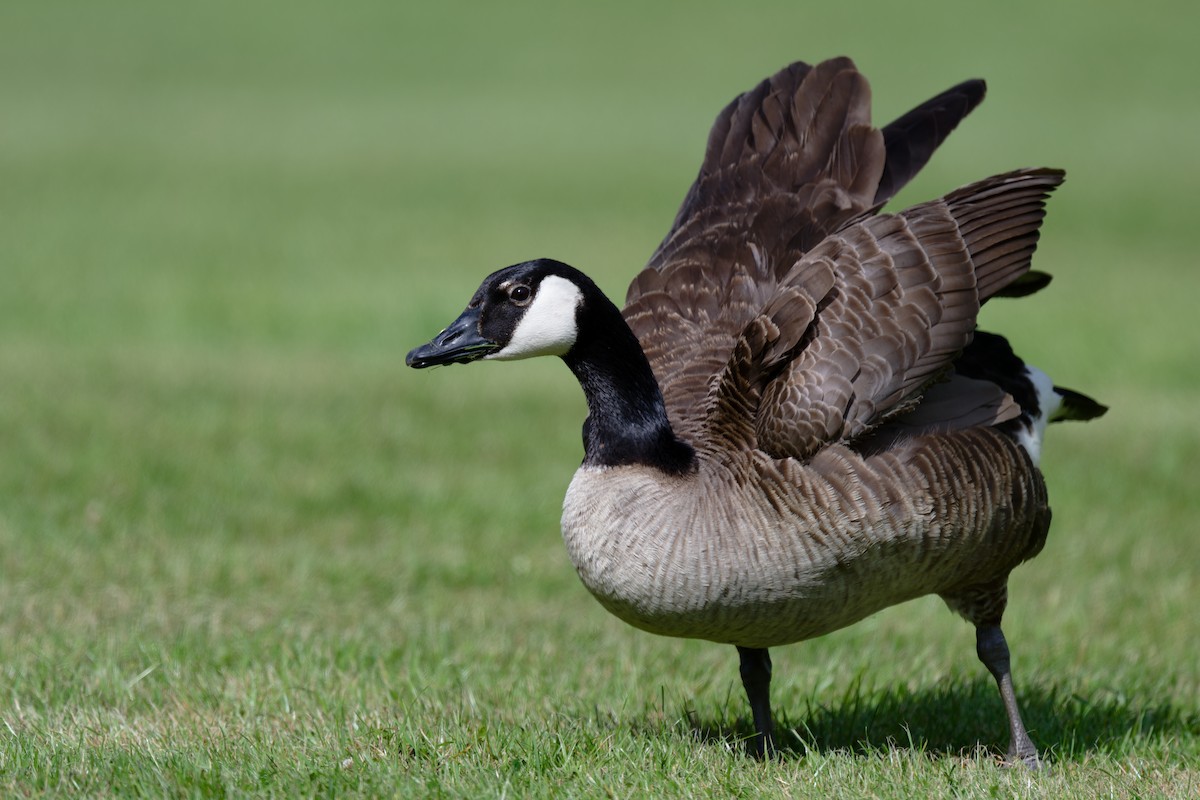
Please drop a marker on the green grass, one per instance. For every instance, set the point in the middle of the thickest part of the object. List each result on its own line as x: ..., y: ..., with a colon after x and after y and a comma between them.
x: 244, y: 551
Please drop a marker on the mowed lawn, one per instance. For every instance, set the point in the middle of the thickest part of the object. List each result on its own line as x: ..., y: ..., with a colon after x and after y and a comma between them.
x: 245, y: 552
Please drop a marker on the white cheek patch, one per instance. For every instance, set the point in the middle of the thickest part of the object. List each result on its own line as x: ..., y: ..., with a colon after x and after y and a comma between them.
x: 548, y: 327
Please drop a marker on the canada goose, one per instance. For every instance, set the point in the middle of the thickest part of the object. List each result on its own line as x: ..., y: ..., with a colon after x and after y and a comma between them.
x: 793, y: 423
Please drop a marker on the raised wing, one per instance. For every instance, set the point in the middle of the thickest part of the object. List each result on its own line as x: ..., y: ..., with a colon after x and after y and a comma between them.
x: 787, y: 163
x: 867, y: 320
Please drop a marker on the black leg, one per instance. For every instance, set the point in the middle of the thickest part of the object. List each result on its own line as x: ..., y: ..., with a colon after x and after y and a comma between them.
x: 756, y: 677
x: 993, y: 652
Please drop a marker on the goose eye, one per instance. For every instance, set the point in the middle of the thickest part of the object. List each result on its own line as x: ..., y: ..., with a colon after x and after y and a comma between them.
x: 519, y: 293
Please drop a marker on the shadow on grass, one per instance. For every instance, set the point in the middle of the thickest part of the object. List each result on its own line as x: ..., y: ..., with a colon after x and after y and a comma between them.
x: 959, y: 718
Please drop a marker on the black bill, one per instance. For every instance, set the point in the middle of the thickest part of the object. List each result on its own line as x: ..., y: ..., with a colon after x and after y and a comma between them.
x: 460, y: 343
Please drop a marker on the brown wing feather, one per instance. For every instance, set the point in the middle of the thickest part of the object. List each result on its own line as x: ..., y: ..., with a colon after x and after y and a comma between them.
x: 724, y: 305
x: 906, y: 292
x: 787, y: 162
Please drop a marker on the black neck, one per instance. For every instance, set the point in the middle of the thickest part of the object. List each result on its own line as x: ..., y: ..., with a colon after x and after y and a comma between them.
x: 627, y: 420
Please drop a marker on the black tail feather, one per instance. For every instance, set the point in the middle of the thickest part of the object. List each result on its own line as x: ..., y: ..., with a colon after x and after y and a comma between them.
x: 1077, y: 406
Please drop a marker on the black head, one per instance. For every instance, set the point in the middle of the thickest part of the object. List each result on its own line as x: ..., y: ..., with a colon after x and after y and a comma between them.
x: 522, y: 311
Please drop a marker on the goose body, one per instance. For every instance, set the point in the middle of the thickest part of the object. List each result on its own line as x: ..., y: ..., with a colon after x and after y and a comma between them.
x: 793, y: 423
x: 836, y: 539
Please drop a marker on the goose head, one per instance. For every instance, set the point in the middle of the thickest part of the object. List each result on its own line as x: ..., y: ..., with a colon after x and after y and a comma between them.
x: 546, y: 308
x: 526, y: 310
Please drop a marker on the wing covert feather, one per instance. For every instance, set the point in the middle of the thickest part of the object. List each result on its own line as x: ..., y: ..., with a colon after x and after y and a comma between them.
x: 908, y: 292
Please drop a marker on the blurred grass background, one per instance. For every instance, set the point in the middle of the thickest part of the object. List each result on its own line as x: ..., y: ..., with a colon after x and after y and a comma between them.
x: 243, y: 550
